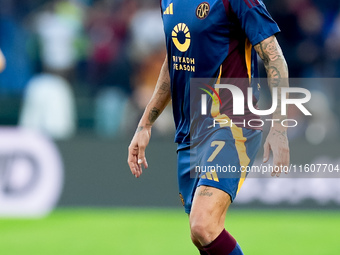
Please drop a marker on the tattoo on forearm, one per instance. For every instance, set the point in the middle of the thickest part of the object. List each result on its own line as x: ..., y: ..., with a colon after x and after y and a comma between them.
x: 274, y: 76
x: 269, y: 51
x: 276, y: 67
x: 160, y: 98
x: 205, y: 193
x: 272, y: 50
x: 153, y: 114
x: 282, y: 135
x: 164, y: 88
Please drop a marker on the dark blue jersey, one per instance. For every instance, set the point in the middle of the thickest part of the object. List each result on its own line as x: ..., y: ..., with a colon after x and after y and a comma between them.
x: 210, y: 39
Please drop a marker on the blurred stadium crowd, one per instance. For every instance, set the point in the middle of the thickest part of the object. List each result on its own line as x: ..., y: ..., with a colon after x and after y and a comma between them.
x: 84, y: 65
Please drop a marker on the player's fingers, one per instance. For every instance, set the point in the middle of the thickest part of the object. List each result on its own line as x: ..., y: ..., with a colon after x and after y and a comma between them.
x: 285, y: 156
x: 266, y: 152
x: 287, y: 162
x: 284, y: 169
x: 141, y: 156
x: 145, y: 163
x: 277, y: 164
x: 276, y: 170
x: 132, y: 167
x: 131, y: 164
x: 273, y: 173
x: 139, y: 170
x: 279, y: 170
x: 132, y: 159
x: 281, y: 160
x: 275, y: 167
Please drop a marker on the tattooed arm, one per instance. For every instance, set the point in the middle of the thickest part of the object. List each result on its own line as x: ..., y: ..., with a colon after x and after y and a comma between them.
x: 277, y: 72
x: 159, y: 100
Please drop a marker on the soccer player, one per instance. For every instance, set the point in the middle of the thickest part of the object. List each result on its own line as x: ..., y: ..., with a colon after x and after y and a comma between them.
x: 2, y: 62
x: 214, y: 39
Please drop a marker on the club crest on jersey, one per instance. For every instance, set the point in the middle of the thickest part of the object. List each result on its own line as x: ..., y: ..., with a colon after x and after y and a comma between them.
x: 202, y: 10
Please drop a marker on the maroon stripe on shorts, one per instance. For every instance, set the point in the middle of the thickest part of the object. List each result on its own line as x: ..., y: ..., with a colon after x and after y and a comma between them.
x: 254, y: 2
x: 249, y: 5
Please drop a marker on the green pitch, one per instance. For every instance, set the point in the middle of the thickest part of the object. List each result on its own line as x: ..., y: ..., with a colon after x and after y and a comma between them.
x: 166, y: 232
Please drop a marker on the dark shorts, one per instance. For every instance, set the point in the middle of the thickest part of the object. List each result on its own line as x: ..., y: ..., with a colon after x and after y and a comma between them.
x: 219, y: 160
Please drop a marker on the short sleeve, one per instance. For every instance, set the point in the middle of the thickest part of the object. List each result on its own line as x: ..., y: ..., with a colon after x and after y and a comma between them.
x: 254, y: 18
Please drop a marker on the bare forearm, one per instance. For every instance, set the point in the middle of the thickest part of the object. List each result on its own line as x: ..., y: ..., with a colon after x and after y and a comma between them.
x: 159, y: 100
x: 276, y: 67
x: 277, y: 71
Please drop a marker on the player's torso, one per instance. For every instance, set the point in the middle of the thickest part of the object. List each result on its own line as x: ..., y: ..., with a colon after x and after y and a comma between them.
x: 204, y: 39
x: 197, y: 36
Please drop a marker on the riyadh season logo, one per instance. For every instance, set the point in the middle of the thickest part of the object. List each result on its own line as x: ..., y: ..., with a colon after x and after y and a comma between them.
x: 181, y: 37
x: 239, y: 102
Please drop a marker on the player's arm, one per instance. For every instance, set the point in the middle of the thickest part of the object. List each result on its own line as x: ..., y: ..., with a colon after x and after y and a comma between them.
x: 277, y: 72
x: 2, y: 62
x: 159, y: 100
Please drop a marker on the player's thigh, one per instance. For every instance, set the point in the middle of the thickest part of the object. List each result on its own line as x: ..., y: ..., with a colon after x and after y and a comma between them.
x: 208, y: 213
x: 211, y: 202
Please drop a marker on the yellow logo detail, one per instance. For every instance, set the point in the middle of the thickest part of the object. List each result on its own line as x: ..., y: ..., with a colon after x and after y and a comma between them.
x: 202, y: 10
x: 182, y: 199
x: 181, y: 27
x: 169, y: 9
x: 210, y: 176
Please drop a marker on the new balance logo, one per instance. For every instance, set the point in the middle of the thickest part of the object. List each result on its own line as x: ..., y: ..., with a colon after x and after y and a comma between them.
x: 210, y: 176
x: 169, y: 9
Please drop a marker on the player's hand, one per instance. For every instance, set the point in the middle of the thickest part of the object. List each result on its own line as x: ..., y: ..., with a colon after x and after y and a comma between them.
x: 277, y: 141
x: 137, y: 148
